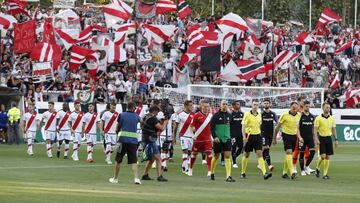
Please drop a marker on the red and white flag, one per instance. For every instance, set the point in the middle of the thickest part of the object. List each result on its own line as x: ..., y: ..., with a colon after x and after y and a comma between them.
x: 42, y: 52
x: 328, y: 16
x: 85, y: 35
x: 116, y: 53
x: 336, y: 82
x: 160, y: 33
x: 79, y: 55
x: 183, y: 9
x: 226, y: 41
x: 352, y: 97
x: 121, y: 32
x: 17, y: 7
x: 165, y: 6
x: 284, y: 57
x: 343, y: 47
x: 67, y: 37
x: 232, y: 23
x: 115, y: 12
x: 6, y: 21
x: 241, y: 70
x: 194, y: 33
x: 303, y: 38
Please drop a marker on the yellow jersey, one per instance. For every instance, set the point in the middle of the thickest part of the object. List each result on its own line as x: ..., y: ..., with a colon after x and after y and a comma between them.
x: 324, y: 125
x: 252, y: 123
x: 290, y: 122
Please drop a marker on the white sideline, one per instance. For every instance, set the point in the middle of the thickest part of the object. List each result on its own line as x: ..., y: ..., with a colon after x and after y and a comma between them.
x: 54, y: 166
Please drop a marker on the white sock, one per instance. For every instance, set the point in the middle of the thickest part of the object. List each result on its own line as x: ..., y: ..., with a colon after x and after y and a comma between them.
x: 48, y: 148
x: 75, y: 149
x: 29, y: 142
x: 108, y: 151
x: 185, y: 162
x: 89, y: 151
x: 163, y: 159
x: 66, y: 150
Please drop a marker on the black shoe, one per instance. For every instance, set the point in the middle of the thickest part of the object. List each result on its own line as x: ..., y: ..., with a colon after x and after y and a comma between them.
x: 212, y: 177
x: 285, y: 176
x: 326, y: 177
x: 183, y: 170
x: 165, y: 169
x: 267, y: 176
x: 146, y: 177
x: 162, y: 179
x: 66, y: 157
x: 293, y: 176
x: 317, y: 173
x: 230, y: 179
x: 243, y: 176
x: 58, y: 154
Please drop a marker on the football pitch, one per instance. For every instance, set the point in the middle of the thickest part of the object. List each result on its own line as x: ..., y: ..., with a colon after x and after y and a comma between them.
x: 40, y: 179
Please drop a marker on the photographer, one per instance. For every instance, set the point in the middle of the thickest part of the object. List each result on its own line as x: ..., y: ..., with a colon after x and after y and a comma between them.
x: 150, y: 128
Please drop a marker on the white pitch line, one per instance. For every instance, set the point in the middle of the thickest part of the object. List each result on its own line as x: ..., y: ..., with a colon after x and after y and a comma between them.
x: 53, y: 166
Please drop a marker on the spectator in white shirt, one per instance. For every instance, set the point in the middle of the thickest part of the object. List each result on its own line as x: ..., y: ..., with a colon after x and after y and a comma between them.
x: 169, y: 63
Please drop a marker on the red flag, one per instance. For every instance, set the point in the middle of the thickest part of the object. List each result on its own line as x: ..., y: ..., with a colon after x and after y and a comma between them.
x: 343, y: 47
x: 24, y: 37
x: 48, y: 35
x: 183, y: 9
x: 79, y: 55
x: 165, y: 6
x: 327, y: 16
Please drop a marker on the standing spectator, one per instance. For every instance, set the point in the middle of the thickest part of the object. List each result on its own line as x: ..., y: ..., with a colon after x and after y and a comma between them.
x: 120, y: 89
x: 3, y: 124
x: 129, y: 85
x: 38, y: 95
x: 168, y: 63
x: 142, y: 82
x: 14, y: 115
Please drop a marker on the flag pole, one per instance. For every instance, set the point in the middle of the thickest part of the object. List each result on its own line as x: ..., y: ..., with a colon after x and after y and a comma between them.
x: 136, y: 37
x: 272, y: 57
x: 310, y: 12
x: 212, y: 7
x: 355, y: 18
x: 262, y: 9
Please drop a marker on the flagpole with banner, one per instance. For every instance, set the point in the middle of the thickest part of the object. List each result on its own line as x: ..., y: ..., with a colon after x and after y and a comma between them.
x: 273, y: 64
x: 262, y: 9
x: 310, y: 12
x: 355, y: 16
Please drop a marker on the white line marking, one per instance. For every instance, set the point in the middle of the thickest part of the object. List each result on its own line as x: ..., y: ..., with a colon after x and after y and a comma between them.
x: 54, y: 166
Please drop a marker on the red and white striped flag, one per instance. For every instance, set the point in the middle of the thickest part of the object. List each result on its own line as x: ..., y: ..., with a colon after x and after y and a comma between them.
x: 67, y: 38
x: 232, y: 23
x: 327, y: 16
x: 226, y: 41
x: 343, y: 47
x: 284, y: 57
x: 303, y: 38
x: 194, y: 33
x: 17, y: 7
x: 121, y: 32
x: 79, y: 55
x: 116, y: 12
x: 85, y: 35
x: 6, y: 21
x: 160, y: 33
x: 352, y: 97
x: 116, y: 53
x: 42, y: 52
x: 165, y: 6
x: 183, y: 9
x: 249, y: 69
x: 252, y: 39
x: 336, y: 82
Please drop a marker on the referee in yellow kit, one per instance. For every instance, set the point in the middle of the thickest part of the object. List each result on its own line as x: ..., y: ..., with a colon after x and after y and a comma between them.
x: 325, y: 127
x: 289, y: 122
x: 253, y: 141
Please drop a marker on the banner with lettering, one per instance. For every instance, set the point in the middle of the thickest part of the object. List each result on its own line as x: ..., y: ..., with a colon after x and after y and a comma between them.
x: 24, y: 36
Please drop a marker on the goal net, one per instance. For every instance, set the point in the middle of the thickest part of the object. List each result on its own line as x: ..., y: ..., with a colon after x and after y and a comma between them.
x: 280, y: 97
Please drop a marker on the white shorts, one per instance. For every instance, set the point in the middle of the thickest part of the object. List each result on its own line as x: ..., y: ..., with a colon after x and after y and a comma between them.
x: 50, y: 135
x: 64, y: 135
x: 31, y: 134
x: 186, y: 143
x: 91, y: 138
x: 77, y: 138
x: 110, y: 138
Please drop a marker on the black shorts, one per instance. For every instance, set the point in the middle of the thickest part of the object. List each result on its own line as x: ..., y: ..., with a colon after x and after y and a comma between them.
x: 254, y: 142
x: 238, y: 142
x: 222, y: 147
x: 289, y: 141
x: 130, y: 150
x: 326, y: 145
x: 308, y: 143
x: 267, y: 139
x: 3, y: 129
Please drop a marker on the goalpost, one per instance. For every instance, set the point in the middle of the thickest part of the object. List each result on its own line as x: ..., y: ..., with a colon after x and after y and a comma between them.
x: 280, y: 97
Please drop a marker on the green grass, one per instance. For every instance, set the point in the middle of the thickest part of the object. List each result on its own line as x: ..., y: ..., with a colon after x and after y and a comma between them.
x: 39, y: 179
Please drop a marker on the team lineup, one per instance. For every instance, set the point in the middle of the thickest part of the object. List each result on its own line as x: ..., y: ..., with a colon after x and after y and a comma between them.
x: 226, y: 134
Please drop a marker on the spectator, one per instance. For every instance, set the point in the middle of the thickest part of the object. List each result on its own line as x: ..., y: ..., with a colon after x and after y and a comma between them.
x: 3, y: 124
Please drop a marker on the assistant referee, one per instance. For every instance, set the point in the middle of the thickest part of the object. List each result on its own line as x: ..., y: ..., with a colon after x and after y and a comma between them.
x: 289, y: 122
x: 253, y: 141
x: 325, y: 127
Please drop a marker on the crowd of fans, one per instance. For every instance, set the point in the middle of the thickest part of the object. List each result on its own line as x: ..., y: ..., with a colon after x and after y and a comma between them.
x: 119, y: 81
